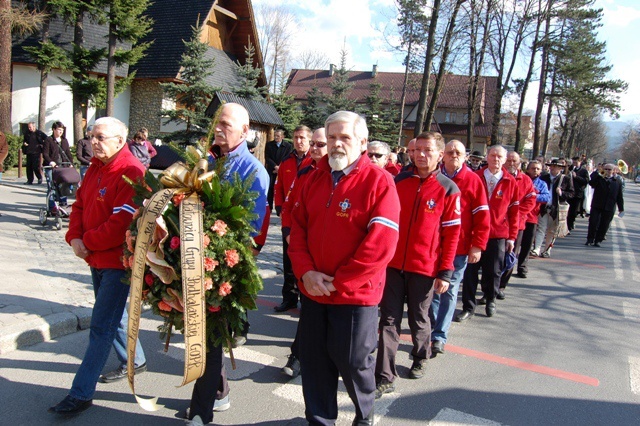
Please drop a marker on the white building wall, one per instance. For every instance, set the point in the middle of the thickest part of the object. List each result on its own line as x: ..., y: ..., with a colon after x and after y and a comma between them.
x: 26, y: 92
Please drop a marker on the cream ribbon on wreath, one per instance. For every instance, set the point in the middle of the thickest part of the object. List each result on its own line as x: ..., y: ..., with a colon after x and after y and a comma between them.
x: 177, y: 179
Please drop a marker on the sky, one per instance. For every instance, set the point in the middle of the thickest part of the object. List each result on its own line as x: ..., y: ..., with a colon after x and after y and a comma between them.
x: 326, y: 25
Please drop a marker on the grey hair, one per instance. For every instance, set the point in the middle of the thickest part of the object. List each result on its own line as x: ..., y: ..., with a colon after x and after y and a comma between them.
x: 117, y: 126
x: 360, y: 130
x: 500, y: 147
x: 378, y: 144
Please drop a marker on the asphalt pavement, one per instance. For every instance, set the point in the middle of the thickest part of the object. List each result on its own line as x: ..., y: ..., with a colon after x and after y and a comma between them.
x: 562, y: 348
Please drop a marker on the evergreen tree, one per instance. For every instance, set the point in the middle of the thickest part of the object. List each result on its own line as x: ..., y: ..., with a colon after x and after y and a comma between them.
x: 249, y: 76
x: 194, y: 95
x: 314, y: 111
x: 340, y: 88
x: 381, y: 126
x: 288, y: 110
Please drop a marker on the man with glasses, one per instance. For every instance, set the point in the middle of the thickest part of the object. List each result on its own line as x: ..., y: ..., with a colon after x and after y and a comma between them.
x: 378, y: 153
x: 99, y: 219
x: 607, y: 194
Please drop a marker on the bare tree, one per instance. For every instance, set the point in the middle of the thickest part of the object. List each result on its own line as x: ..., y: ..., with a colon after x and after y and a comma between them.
x: 275, y: 30
x: 310, y: 59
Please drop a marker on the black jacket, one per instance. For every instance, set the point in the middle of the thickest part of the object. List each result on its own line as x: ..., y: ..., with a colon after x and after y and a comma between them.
x: 84, y: 151
x: 566, y: 185
x: 34, y: 142
x: 607, y: 193
x: 580, y: 181
x: 274, y: 154
x: 56, y: 153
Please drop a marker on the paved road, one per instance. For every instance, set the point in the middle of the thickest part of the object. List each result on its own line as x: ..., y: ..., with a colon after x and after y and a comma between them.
x: 562, y: 349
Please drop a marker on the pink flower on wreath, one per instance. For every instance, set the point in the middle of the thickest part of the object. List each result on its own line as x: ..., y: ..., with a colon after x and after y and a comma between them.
x: 175, y: 243
x: 219, y: 227
x: 131, y: 241
x: 206, y: 240
x: 231, y: 257
x: 210, y: 264
x: 164, y: 306
x: 148, y: 278
x: 177, y: 199
x: 213, y: 308
x: 208, y: 283
x: 126, y: 261
x: 225, y: 289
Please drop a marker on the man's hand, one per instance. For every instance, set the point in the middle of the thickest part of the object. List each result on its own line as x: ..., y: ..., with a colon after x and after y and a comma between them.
x: 79, y: 248
x: 318, y: 284
x: 288, y: 238
x: 509, y: 246
x: 474, y: 255
x: 558, y: 191
x: 440, y: 286
x: 621, y: 214
x: 275, y: 169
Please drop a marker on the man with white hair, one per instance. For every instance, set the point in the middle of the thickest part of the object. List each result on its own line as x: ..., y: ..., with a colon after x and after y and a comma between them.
x: 99, y: 219
x: 378, y: 152
x: 344, y: 232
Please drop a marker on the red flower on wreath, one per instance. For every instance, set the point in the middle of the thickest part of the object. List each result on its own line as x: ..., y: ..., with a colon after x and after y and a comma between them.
x: 206, y: 240
x: 225, y: 289
x: 210, y: 264
x: 148, y: 279
x: 164, y: 306
x: 219, y: 227
x: 177, y: 199
x: 213, y: 308
x: 175, y: 243
x: 231, y: 257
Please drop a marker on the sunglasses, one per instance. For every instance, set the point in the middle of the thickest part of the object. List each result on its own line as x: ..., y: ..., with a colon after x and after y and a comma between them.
x: 317, y: 144
x: 375, y: 154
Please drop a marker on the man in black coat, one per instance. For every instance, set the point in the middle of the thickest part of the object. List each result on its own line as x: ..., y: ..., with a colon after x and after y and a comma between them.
x: 607, y: 194
x: 580, y: 181
x: 32, y: 148
x: 274, y: 153
x: 561, y: 188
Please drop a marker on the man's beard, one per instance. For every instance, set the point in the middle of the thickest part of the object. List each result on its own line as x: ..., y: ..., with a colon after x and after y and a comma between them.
x: 338, y: 161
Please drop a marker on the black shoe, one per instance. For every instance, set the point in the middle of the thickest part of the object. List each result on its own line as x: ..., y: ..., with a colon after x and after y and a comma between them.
x: 521, y: 274
x: 285, y: 306
x: 384, y: 387
x: 292, y: 368
x: 437, y: 347
x: 482, y: 301
x: 39, y: 181
x: 463, y: 316
x: 500, y: 295
x: 120, y: 373
x: 588, y: 243
x: 367, y: 421
x: 418, y: 368
x: 28, y: 183
x: 597, y: 245
x: 69, y: 406
x: 490, y: 310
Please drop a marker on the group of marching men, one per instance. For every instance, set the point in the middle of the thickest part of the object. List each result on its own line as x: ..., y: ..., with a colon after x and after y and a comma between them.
x: 360, y: 239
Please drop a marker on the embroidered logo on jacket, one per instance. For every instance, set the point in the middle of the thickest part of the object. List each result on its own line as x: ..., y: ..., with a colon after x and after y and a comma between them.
x: 102, y: 192
x: 431, y: 205
x: 499, y: 194
x: 344, y: 205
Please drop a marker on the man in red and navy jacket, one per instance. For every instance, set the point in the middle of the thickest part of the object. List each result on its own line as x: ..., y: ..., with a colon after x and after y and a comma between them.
x: 99, y: 220
x: 289, y: 168
x: 343, y: 234
x: 528, y: 196
x: 474, y: 234
x: 502, y: 193
x: 423, y: 261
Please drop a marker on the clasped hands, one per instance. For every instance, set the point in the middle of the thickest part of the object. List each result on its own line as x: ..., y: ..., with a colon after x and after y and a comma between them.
x: 318, y: 284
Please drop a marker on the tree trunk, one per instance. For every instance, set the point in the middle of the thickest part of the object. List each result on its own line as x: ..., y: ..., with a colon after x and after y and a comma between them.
x: 424, y: 88
x: 537, y: 130
x: 44, y: 79
x: 446, y: 49
x: 111, y: 70
x: 405, y: 82
x: 549, y: 113
x: 5, y: 68
x: 78, y: 40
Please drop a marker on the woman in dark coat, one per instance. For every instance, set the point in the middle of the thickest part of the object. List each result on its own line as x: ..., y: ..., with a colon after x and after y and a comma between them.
x: 56, y: 147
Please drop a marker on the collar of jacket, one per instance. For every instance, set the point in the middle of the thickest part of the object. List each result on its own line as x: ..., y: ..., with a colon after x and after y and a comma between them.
x: 362, y: 163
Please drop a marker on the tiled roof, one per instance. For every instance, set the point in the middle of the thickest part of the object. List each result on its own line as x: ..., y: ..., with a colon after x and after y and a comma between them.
x: 259, y: 112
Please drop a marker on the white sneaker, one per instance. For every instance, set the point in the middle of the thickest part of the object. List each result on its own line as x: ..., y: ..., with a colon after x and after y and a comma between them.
x: 196, y: 421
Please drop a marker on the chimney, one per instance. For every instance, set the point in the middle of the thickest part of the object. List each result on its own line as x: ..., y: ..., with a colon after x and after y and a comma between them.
x: 332, y: 69
x: 374, y: 71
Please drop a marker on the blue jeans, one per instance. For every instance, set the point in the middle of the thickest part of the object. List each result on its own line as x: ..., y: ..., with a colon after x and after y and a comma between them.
x: 443, y: 305
x: 111, y: 297
x: 120, y: 343
x: 83, y: 170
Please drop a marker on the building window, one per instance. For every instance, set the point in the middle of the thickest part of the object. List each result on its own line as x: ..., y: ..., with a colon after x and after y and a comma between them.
x: 449, y: 117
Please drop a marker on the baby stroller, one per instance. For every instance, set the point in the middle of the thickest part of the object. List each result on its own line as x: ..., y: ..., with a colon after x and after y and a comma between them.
x: 61, y: 182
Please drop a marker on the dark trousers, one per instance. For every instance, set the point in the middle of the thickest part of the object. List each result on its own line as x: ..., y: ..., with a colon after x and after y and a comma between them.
x: 272, y: 184
x: 289, y: 288
x: 599, y: 222
x: 336, y: 340
x: 575, y: 205
x: 528, y: 235
x: 504, y: 279
x: 33, y: 167
x: 211, y: 386
x: 418, y: 291
x: 491, y: 263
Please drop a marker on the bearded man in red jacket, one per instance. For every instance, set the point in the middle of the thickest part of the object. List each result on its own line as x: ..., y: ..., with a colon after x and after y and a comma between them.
x: 344, y: 232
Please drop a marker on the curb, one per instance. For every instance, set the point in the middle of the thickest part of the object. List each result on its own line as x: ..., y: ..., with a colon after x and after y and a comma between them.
x: 34, y: 188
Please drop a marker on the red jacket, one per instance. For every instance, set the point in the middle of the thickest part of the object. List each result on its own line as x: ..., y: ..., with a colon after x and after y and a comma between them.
x: 474, y: 229
x: 293, y: 195
x: 429, y: 224
x: 104, y: 209
x: 528, y: 196
x: 503, y: 206
x: 348, y: 232
x: 287, y: 173
x: 394, y: 169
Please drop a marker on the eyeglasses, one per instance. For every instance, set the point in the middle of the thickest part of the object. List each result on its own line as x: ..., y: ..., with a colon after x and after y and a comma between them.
x: 375, y: 154
x: 102, y: 138
x: 317, y: 144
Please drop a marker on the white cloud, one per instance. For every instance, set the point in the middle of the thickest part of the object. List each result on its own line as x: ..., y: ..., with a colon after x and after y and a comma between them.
x: 620, y: 16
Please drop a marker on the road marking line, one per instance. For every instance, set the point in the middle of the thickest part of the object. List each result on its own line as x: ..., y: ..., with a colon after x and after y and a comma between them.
x: 449, y: 417
x: 634, y: 374
x: 631, y: 310
x: 292, y: 391
x: 573, y: 377
x: 635, y: 271
x: 617, y: 257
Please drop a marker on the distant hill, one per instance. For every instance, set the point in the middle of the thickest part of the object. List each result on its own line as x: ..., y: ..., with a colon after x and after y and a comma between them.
x: 615, y: 133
